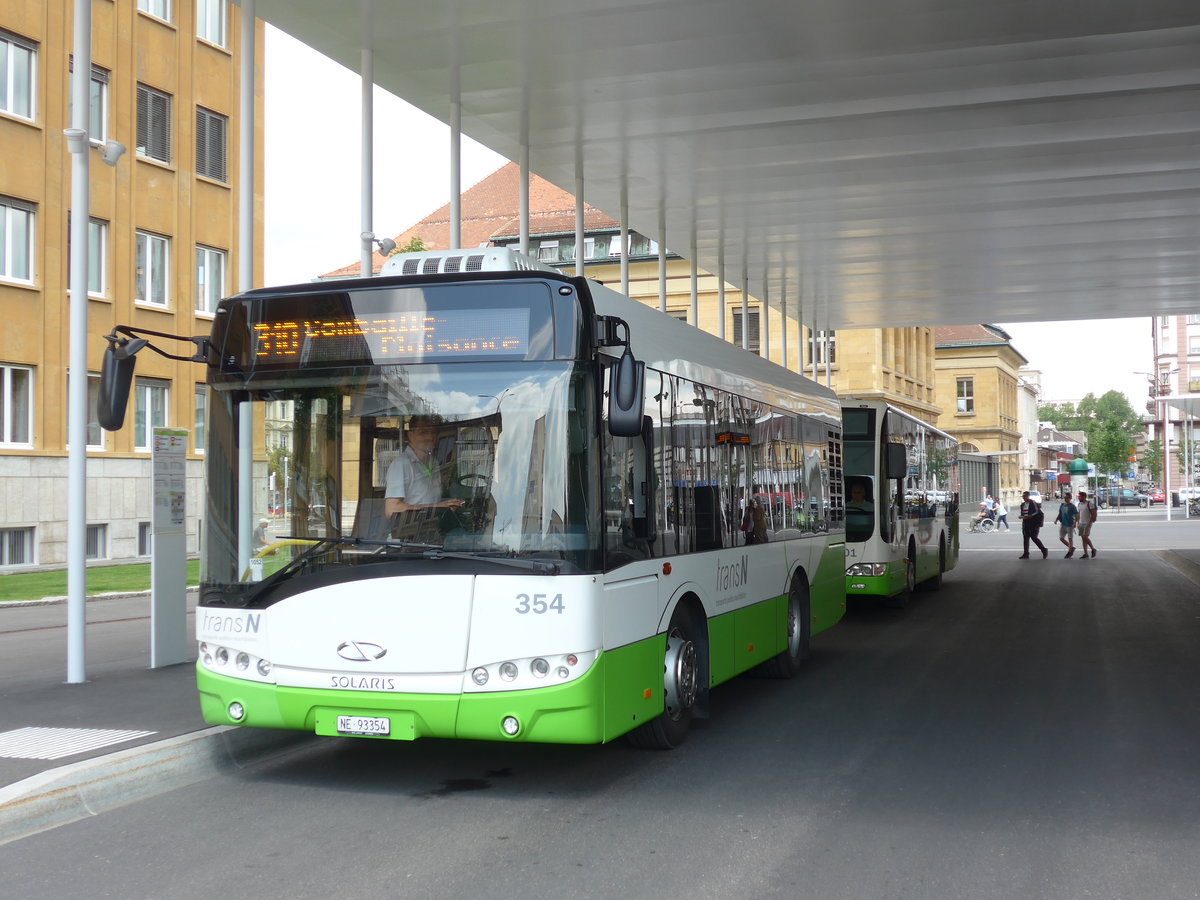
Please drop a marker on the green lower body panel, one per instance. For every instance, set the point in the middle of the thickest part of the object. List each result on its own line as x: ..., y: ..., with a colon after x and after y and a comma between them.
x: 827, y: 592
x: 878, y: 585
x: 622, y: 689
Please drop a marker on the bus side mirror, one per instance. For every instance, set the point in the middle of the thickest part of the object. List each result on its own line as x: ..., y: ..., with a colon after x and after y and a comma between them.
x: 897, y: 461
x: 626, y: 395
x: 116, y: 378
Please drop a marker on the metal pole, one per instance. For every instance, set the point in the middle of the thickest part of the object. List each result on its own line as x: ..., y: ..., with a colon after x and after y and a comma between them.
x: 79, y: 147
x: 523, y: 195
x: 624, y: 235
x: 366, y: 177
x: 246, y: 133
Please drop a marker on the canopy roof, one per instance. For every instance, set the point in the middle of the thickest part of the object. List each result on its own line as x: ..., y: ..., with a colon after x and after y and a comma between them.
x: 882, y: 162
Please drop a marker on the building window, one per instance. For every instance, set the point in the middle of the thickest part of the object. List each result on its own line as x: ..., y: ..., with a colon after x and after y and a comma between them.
x: 153, y: 124
x: 826, y: 348
x: 16, y: 406
x: 95, y: 434
x: 153, y: 260
x: 18, y: 72
x: 145, y: 539
x: 210, y: 144
x: 97, y: 103
x: 16, y: 240
x: 752, y: 334
x: 210, y: 21
x: 680, y: 314
x: 16, y: 547
x: 201, y: 418
x: 210, y: 278
x: 97, y: 542
x: 548, y: 251
x: 151, y: 411
x: 965, y: 392
x: 1193, y: 344
x: 160, y: 9
x: 97, y: 240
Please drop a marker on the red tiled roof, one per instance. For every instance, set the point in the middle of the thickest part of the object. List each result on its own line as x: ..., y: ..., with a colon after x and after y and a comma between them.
x: 492, y: 207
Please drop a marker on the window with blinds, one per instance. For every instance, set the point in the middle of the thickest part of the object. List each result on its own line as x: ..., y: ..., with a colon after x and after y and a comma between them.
x: 153, y: 124
x: 210, y: 144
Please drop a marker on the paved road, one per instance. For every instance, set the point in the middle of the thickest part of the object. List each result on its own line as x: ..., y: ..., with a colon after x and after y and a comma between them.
x: 1032, y: 730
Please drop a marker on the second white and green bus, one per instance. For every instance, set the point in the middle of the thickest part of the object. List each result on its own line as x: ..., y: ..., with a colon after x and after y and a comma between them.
x: 585, y: 575
x: 902, y: 488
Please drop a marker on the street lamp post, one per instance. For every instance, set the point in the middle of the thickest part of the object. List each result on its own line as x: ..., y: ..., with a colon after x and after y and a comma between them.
x: 1160, y: 386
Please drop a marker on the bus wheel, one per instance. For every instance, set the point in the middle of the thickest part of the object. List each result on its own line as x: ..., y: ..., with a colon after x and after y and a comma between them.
x: 681, y: 685
x: 799, y: 633
x: 935, y: 583
x: 900, y: 600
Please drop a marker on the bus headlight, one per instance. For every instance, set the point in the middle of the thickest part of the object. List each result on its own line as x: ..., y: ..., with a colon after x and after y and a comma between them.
x: 531, y: 672
x: 864, y: 570
x: 245, y: 664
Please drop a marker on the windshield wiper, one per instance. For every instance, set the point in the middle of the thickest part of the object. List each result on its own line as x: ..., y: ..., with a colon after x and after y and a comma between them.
x: 540, y: 566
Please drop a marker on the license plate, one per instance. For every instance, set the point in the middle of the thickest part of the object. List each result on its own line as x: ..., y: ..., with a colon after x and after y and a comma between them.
x: 376, y: 725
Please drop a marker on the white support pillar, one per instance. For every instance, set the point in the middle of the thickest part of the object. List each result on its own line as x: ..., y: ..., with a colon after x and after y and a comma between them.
x: 367, y: 149
x: 624, y: 236
x: 783, y: 319
x: 662, y: 259
x: 766, y: 319
x: 76, y: 513
x: 523, y: 192
x: 455, y: 167
x: 694, y: 311
x: 578, y: 210
x: 721, y: 289
x: 246, y: 133
x: 745, y: 302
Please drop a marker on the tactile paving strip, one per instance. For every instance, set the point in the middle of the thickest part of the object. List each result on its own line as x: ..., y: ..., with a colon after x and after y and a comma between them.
x: 55, y: 743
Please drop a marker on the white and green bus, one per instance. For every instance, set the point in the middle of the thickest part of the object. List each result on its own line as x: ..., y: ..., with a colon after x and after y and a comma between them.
x: 575, y: 570
x: 902, y: 487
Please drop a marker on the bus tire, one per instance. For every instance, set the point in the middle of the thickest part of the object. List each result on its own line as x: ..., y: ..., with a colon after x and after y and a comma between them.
x: 798, y: 634
x: 935, y: 583
x: 900, y: 600
x: 681, y: 686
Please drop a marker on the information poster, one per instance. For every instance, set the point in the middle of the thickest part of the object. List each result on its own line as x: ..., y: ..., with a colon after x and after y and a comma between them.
x: 169, y: 642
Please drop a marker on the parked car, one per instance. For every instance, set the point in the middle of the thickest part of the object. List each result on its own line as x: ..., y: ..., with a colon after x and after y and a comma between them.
x: 1157, y: 495
x: 1121, y: 497
x: 1035, y: 496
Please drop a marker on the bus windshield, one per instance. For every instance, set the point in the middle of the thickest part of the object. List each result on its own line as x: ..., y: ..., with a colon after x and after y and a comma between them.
x: 388, y: 464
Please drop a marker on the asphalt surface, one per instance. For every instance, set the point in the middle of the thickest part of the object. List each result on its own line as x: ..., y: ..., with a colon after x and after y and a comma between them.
x: 160, y: 743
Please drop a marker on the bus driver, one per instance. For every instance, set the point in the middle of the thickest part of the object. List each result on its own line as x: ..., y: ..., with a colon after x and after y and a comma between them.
x: 413, y: 480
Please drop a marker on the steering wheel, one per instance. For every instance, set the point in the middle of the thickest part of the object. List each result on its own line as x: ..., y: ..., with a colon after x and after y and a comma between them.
x: 474, y: 481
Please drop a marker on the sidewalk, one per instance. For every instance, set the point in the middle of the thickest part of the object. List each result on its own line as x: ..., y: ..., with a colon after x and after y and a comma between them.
x: 68, y: 751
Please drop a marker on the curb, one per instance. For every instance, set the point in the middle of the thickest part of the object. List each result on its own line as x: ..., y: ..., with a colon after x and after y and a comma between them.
x: 91, y: 598
x: 93, y: 786
x: 1180, y: 563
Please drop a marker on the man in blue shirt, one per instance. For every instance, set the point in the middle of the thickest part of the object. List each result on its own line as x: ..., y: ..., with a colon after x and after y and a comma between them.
x: 1067, y: 515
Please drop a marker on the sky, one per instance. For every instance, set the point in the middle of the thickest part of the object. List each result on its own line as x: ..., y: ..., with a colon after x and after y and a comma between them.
x: 313, y: 215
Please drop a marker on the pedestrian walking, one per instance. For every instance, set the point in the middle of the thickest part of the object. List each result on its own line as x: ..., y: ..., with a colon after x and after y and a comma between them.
x: 1087, y: 518
x: 1001, y: 515
x: 1067, y: 514
x: 1031, y: 524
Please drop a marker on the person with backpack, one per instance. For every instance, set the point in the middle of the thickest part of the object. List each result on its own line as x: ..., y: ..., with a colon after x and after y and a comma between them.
x: 1031, y: 523
x: 1087, y: 518
x: 1067, y: 514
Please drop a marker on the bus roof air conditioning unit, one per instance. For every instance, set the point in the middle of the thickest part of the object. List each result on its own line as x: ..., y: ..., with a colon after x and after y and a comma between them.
x: 436, y: 262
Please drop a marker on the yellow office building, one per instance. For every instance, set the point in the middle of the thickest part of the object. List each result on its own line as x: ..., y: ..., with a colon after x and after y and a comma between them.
x: 162, y: 247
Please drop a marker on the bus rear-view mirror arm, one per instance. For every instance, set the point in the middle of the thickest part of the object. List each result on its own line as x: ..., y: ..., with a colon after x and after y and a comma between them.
x: 117, y: 365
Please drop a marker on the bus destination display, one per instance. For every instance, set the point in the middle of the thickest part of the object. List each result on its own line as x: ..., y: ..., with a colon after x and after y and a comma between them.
x: 393, y: 337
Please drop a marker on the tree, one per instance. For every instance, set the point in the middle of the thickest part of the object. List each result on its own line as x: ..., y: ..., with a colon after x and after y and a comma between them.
x: 1110, y: 423
x: 415, y: 245
x: 1153, y: 460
